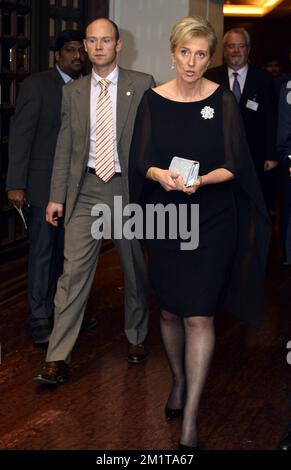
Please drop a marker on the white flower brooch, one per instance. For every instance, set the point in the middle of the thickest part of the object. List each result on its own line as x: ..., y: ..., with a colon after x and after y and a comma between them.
x: 207, y: 112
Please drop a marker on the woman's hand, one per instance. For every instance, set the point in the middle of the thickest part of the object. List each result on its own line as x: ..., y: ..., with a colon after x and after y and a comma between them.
x: 193, y: 188
x: 169, y: 180
x: 172, y: 181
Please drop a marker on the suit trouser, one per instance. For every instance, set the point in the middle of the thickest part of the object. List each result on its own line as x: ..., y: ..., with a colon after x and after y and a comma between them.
x: 81, y: 257
x: 45, y: 265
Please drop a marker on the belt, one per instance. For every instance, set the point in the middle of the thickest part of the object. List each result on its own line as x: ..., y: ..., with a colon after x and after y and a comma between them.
x: 92, y: 170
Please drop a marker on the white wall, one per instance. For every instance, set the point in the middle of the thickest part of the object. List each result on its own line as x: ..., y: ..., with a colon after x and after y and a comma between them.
x: 145, y: 27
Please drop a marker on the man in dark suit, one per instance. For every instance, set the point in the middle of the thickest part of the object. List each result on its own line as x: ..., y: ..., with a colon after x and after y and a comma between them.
x: 84, y: 177
x: 33, y: 137
x: 284, y: 157
x: 253, y: 89
x: 283, y: 152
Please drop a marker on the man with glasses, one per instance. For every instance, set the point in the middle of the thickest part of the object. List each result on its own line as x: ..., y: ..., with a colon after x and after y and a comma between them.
x: 33, y: 136
x: 253, y: 89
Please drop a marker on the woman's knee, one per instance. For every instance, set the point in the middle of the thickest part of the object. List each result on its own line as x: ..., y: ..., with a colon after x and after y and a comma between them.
x: 199, y: 322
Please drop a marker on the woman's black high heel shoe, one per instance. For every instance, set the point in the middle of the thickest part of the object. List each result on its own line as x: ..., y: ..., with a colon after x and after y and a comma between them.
x: 187, y: 448
x: 173, y: 413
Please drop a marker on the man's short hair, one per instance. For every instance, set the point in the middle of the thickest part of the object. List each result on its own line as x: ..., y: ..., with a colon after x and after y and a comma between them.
x: 114, y: 25
x: 116, y: 29
x: 68, y: 35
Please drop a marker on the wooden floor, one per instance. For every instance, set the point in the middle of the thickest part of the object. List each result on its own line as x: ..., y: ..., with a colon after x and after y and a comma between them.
x: 109, y: 404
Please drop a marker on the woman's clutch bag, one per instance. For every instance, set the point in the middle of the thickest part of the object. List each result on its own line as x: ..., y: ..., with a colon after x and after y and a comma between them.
x: 188, y: 169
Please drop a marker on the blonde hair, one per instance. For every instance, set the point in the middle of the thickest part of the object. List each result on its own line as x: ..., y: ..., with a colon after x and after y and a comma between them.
x: 190, y: 27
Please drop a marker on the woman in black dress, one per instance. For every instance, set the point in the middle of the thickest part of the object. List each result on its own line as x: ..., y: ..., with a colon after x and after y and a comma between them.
x: 194, y: 118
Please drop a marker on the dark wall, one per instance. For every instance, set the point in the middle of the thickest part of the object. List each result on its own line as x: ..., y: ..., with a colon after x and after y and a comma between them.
x: 96, y: 9
x: 270, y: 38
x: 33, y: 41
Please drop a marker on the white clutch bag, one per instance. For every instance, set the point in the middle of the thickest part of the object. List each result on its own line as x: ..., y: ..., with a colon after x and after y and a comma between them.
x: 188, y: 169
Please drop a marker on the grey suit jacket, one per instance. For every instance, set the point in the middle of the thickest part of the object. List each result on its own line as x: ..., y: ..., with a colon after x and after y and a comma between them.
x: 72, y: 150
x: 33, y: 136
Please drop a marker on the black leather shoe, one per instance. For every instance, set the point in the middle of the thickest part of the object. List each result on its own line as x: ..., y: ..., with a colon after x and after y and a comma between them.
x: 53, y: 373
x: 185, y: 448
x: 136, y: 353
x: 285, y: 444
x: 173, y: 413
x: 41, y: 334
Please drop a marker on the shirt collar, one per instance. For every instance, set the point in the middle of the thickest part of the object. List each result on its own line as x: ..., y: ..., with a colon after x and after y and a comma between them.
x: 64, y: 75
x: 112, y: 77
x: 241, y: 72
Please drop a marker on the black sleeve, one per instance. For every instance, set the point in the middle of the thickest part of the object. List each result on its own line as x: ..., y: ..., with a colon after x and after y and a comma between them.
x: 245, y: 291
x: 22, y: 132
x: 237, y: 154
x: 141, y: 156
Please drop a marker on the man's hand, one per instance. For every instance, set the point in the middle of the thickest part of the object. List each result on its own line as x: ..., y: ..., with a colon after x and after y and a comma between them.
x: 54, y: 211
x: 270, y: 165
x: 16, y: 197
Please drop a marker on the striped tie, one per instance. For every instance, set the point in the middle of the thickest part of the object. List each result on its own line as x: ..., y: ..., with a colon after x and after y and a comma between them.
x: 104, y: 134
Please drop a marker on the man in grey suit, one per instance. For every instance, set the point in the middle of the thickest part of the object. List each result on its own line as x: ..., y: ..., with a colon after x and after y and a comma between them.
x: 32, y: 143
x: 75, y: 182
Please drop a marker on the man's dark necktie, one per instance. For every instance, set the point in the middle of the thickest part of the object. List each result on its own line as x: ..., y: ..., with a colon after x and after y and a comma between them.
x: 236, y: 87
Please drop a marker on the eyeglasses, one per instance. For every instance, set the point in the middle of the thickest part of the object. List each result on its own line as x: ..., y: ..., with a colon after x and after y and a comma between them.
x: 235, y: 46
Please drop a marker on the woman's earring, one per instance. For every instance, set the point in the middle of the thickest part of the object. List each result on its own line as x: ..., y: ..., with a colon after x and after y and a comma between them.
x: 173, y: 66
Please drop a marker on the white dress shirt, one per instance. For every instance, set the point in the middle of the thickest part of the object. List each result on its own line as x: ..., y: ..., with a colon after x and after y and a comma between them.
x: 241, y: 77
x: 95, y: 92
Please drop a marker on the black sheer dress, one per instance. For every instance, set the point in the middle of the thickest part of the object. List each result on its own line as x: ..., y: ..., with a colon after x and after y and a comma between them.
x: 227, y: 268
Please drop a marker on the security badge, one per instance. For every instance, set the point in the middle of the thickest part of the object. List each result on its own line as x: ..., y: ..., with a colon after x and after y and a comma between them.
x: 252, y: 104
